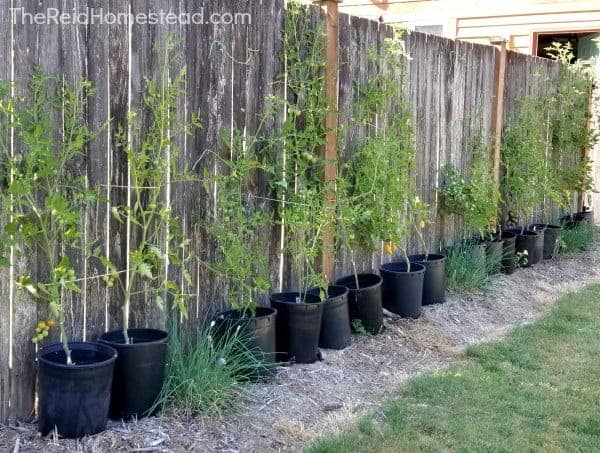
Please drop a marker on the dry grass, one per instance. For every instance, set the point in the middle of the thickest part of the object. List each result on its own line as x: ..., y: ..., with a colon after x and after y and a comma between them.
x: 305, y: 401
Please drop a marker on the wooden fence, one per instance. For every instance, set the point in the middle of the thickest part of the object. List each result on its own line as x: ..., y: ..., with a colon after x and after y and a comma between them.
x: 231, y: 70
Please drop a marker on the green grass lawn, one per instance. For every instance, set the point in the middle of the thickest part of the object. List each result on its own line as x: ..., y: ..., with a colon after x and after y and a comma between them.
x: 537, y: 390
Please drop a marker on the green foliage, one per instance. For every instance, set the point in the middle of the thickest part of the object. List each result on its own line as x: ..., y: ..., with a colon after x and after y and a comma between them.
x: 576, y: 239
x: 524, y: 149
x: 569, y: 119
x: 203, y: 376
x: 477, y: 199
x: 535, y: 390
x: 378, y: 200
x: 298, y: 179
x: 359, y: 329
x: 543, y: 150
x: 236, y: 225
x: 43, y: 192
x: 152, y: 154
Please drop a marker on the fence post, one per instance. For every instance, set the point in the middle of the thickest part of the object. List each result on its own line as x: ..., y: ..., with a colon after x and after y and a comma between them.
x: 498, y: 106
x: 331, y: 123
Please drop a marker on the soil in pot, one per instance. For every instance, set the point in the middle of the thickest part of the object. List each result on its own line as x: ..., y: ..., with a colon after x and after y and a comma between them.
x: 335, y: 325
x: 257, y: 329
x: 508, y: 252
x: 139, y: 371
x: 74, y: 399
x: 364, y: 301
x: 402, y: 288
x: 493, y: 254
x: 434, y: 281
x: 525, y: 245
x: 551, y: 235
x: 298, y: 326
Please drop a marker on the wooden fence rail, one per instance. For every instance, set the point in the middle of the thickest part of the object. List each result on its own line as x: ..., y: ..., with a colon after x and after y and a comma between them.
x: 231, y: 69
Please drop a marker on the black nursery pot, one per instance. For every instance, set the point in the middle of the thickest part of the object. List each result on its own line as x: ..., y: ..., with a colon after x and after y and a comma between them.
x: 551, y: 235
x: 258, y: 333
x: 139, y: 371
x: 364, y: 302
x: 508, y: 252
x: 527, y: 241
x: 494, y: 250
x: 75, y: 399
x: 434, y: 281
x: 538, y: 249
x: 583, y: 216
x: 402, y: 290
x: 335, y: 325
x: 567, y: 222
x: 298, y: 326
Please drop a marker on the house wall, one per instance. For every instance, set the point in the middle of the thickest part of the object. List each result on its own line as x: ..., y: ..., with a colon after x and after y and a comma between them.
x: 478, y: 20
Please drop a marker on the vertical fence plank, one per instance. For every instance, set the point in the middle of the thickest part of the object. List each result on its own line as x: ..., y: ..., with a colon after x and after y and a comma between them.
x: 178, y: 189
x: 98, y: 173
x: 118, y: 76
x: 72, y: 57
x: 5, y: 281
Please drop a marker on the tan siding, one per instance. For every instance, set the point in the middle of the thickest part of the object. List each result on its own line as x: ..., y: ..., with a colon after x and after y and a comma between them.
x: 478, y: 20
x: 529, y: 19
x: 525, y: 29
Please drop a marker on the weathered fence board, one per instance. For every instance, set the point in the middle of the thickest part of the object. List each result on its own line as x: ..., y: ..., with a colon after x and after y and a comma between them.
x: 5, y: 273
x: 231, y: 71
x: 98, y: 176
x: 72, y: 52
x: 119, y: 97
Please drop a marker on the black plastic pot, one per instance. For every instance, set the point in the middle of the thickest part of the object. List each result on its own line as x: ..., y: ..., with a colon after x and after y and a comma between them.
x: 74, y: 399
x: 551, y: 235
x: 434, y: 281
x: 567, y: 222
x: 583, y: 216
x: 538, y: 250
x: 402, y: 289
x: 298, y: 326
x: 508, y: 252
x: 527, y: 241
x: 364, y: 302
x: 335, y: 325
x: 493, y: 255
x: 139, y: 371
x: 257, y: 331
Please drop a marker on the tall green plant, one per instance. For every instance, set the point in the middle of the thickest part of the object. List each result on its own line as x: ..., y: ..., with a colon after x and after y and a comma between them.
x: 157, y: 239
x: 477, y: 198
x: 524, y: 149
x: 298, y: 179
x: 378, y: 197
x: 571, y: 134
x: 44, y: 194
x: 237, y: 224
